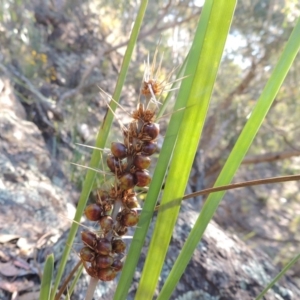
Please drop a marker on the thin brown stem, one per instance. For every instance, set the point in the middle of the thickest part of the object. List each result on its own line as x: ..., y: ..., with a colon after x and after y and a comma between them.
x: 68, y: 279
x: 231, y: 187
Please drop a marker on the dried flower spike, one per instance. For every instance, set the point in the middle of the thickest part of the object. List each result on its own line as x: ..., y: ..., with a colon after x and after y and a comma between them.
x: 128, y: 162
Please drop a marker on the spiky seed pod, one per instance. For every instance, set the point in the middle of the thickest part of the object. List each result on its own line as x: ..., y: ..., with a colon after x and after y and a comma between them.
x: 103, y: 246
x: 87, y: 254
x: 103, y: 261
x: 138, y: 114
x: 117, y: 265
x: 141, y: 161
x: 143, y: 178
x: 150, y: 131
x: 93, y: 212
x: 100, y: 257
x: 107, y: 274
x: 148, y: 115
x: 130, y: 218
x: 106, y: 223
x: 127, y: 181
x: 151, y: 87
x: 119, y: 150
x: 89, y: 238
x: 149, y: 148
x: 118, y: 246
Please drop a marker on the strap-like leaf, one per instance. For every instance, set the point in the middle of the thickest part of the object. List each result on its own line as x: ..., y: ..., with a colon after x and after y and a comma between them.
x: 47, y: 278
x: 202, y: 66
x: 235, y: 158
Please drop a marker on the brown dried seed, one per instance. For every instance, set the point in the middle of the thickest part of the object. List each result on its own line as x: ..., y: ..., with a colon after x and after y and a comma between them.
x: 119, y: 150
x: 103, y: 261
x: 143, y: 178
x: 107, y: 274
x: 117, y: 265
x: 142, y: 161
x: 93, y: 212
x: 149, y: 148
x: 151, y: 130
x: 103, y: 246
x: 118, y: 246
x: 106, y: 223
x: 127, y: 181
x: 111, y: 162
x: 89, y: 238
x: 130, y: 219
x: 87, y: 254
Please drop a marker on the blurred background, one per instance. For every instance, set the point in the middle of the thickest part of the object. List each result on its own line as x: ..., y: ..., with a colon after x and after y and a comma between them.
x: 58, y: 53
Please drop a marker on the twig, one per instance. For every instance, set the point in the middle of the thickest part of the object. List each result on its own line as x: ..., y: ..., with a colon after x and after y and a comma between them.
x: 63, y: 287
x: 231, y: 187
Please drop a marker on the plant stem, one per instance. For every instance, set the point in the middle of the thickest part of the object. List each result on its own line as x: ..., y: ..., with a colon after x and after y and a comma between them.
x: 231, y: 187
x: 91, y: 288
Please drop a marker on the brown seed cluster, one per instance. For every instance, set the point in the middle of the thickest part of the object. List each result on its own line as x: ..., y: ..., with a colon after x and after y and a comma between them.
x: 103, y: 253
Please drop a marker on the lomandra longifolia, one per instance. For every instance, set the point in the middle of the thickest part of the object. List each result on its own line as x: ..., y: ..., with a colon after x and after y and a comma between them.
x: 116, y: 209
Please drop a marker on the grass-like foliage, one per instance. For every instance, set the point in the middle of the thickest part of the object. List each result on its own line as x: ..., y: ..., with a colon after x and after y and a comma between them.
x: 47, y: 278
x: 178, y: 151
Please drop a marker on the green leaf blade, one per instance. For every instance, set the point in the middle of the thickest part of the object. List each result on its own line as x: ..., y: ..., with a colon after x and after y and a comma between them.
x: 100, y: 142
x: 234, y: 160
x: 47, y: 278
x: 278, y: 276
x: 150, y: 201
x: 202, y: 67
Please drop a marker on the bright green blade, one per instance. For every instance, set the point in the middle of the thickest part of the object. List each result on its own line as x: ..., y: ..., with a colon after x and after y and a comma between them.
x: 279, y: 275
x: 100, y: 142
x: 75, y: 281
x: 234, y: 160
x: 47, y: 278
x: 202, y: 66
x: 151, y: 200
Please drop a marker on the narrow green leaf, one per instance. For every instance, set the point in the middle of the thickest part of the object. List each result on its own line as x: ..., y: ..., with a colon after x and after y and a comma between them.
x: 150, y: 201
x: 202, y: 66
x: 234, y: 160
x: 154, y: 191
x: 74, y: 282
x: 101, y: 141
x: 279, y: 275
x: 47, y: 278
